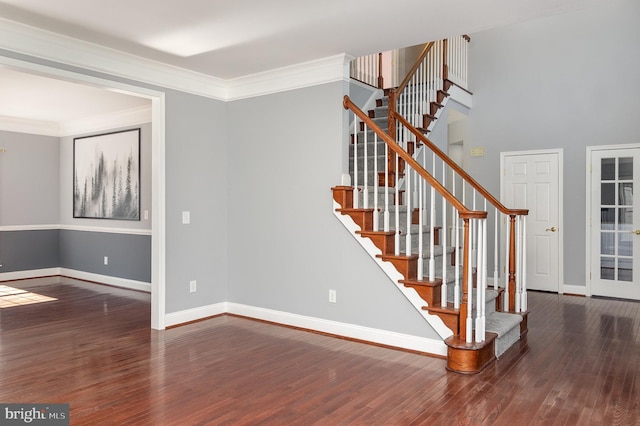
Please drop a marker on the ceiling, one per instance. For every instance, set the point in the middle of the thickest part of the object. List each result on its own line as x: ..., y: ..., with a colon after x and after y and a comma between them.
x: 228, y: 39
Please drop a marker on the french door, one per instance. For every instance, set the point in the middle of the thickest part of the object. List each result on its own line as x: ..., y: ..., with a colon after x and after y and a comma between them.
x: 615, y: 222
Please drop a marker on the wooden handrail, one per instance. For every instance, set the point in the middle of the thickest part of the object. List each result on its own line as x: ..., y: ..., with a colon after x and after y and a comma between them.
x: 425, y: 51
x: 459, y: 169
x: 465, y: 213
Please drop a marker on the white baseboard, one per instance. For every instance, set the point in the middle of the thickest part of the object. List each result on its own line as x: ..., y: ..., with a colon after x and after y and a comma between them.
x: 105, y: 279
x: 80, y: 275
x: 373, y: 335
x: 194, y: 314
x: 34, y: 273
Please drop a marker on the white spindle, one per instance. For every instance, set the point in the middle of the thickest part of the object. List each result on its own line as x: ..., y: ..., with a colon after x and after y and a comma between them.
x: 518, y: 264
x: 456, y: 284
x: 420, y: 229
x: 505, y: 304
x: 376, y: 214
x: 365, y: 170
x: 523, y: 303
x: 469, y: 285
x: 479, y: 289
x: 356, y: 202
x: 484, y: 276
x: 432, y: 224
x: 386, y: 189
x: 495, y: 249
x: 397, y: 209
x: 407, y: 242
x: 443, y: 239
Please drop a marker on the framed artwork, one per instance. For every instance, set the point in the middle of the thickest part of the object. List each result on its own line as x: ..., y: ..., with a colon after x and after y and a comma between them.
x: 106, y: 176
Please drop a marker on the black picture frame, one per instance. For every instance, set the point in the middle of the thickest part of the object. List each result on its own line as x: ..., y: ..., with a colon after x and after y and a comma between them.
x: 106, y: 175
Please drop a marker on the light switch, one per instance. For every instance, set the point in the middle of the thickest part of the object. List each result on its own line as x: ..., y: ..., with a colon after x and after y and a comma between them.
x: 186, y: 218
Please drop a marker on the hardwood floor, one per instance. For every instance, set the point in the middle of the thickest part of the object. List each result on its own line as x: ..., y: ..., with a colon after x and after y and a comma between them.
x: 93, y: 348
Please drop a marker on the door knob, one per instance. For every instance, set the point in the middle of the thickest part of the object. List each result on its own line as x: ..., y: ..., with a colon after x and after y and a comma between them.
x: 553, y: 229
x: 637, y: 232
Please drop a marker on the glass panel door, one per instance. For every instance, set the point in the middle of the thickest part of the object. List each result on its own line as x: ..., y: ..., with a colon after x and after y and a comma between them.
x: 615, y: 223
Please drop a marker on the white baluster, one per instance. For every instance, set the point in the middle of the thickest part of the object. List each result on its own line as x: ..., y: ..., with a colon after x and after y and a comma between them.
x: 386, y: 188
x: 365, y: 171
x: 518, y: 264
x: 443, y: 239
x: 479, y: 337
x: 407, y: 180
x: 376, y: 214
x: 469, y: 285
x: 397, y: 206
x: 456, y: 288
x: 496, y: 265
x: 523, y: 304
x: 432, y: 212
x: 505, y: 296
x: 356, y: 202
x: 420, y: 229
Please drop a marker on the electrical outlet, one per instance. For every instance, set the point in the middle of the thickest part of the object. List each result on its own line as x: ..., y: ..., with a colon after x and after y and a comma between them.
x: 146, y: 215
x: 186, y: 217
x: 193, y: 286
x: 106, y: 260
x: 332, y: 296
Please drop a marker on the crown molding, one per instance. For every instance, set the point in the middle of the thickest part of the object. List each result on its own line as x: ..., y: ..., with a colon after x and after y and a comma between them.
x: 32, y: 41
x: 130, y: 117
x: 33, y: 127
x: 39, y: 43
x: 311, y: 73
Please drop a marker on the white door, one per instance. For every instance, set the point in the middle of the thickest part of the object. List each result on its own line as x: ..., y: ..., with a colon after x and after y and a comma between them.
x: 615, y: 223
x: 531, y: 180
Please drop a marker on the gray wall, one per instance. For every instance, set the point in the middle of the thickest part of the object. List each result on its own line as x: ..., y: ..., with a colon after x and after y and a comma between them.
x: 129, y: 255
x: 29, y: 171
x: 29, y: 250
x: 287, y: 249
x: 568, y: 81
x: 197, y: 143
x: 29, y: 175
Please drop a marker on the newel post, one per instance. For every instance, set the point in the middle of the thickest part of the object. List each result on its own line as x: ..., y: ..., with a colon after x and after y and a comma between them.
x: 391, y: 157
x: 445, y: 66
x: 380, y: 78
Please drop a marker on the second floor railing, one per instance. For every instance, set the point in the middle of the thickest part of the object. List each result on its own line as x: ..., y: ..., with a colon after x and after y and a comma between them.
x: 382, y: 70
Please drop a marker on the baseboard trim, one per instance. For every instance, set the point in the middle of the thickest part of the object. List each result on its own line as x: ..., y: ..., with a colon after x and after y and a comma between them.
x: 351, y: 331
x: 25, y: 275
x: 194, y: 314
x: 106, y: 279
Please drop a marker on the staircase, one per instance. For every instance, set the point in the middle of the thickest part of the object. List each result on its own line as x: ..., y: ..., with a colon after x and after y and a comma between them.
x: 401, y: 214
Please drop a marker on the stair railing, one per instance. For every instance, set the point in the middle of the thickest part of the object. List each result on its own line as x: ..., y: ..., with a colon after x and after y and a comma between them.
x: 471, y: 327
x: 472, y: 194
x: 368, y: 70
x: 412, y: 111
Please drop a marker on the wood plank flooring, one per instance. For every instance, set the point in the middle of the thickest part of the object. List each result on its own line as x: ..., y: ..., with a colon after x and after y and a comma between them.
x: 93, y: 348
